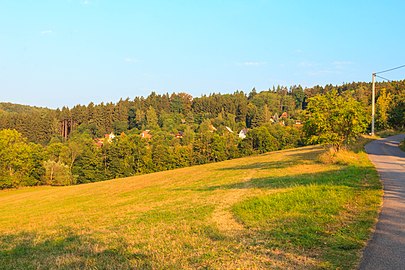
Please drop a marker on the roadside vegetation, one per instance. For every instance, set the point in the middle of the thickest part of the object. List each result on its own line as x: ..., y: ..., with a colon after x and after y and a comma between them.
x: 285, y: 209
x: 402, y: 145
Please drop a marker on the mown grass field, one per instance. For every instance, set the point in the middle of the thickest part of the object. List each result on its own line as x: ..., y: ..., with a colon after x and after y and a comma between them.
x: 278, y: 210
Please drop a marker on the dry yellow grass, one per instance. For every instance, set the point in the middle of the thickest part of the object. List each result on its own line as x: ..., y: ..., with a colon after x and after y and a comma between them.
x: 175, y: 219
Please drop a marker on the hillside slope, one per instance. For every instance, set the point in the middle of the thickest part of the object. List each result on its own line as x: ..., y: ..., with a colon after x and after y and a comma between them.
x: 18, y: 108
x: 282, y: 209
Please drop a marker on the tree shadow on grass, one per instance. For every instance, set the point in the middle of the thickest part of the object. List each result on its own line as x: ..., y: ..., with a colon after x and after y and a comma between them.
x: 261, y: 166
x: 27, y: 250
x: 350, y: 176
x: 291, y: 158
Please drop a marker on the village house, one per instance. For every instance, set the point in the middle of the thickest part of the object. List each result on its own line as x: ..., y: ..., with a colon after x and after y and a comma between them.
x: 179, y: 135
x: 284, y: 115
x: 243, y: 133
x: 107, y: 137
x: 229, y: 129
x: 110, y: 137
x: 99, y: 142
x: 146, y: 134
x: 212, y: 128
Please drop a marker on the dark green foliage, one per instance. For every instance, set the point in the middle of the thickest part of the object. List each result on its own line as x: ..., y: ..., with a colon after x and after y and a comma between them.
x: 245, y: 146
x: 88, y: 166
x: 218, y: 148
x: 183, y: 130
x: 253, y: 117
x: 298, y: 95
x: 262, y: 141
x: 286, y: 136
x: 120, y: 126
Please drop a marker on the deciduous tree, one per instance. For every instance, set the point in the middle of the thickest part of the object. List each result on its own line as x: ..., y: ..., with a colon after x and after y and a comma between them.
x: 334, y: 119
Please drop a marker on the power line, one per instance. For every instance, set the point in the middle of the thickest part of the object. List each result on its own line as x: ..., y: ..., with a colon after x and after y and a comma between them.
x: 383, y: 78
x: 390, y: 69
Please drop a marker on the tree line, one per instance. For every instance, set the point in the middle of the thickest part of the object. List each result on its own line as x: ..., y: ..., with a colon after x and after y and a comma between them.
x: 181, y: 130
x: 81, y: 160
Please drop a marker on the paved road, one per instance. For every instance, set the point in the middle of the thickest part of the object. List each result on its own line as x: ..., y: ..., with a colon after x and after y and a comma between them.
x: 386, y: 250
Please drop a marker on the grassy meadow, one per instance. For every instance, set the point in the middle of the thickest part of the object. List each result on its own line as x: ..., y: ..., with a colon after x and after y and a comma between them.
x: 286, y: 210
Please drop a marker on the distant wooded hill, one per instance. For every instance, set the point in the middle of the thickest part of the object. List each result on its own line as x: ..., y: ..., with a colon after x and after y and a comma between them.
x: 174, y: 112
x: 18, y: 108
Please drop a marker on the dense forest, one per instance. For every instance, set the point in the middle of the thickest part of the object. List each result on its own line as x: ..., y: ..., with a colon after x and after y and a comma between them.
x: 160, y: 132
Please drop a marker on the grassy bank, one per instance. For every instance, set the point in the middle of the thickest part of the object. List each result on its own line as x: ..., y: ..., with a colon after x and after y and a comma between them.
x: 279, y: 210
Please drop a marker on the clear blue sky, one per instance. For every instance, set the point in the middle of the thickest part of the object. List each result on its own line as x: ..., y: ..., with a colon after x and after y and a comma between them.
x: 65, y: 52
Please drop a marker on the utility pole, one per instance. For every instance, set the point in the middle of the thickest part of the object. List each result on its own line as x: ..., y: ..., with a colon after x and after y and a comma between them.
x: 373, y: 105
